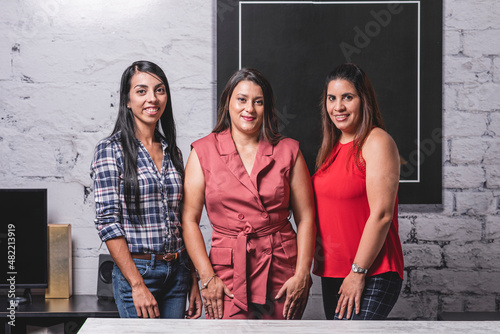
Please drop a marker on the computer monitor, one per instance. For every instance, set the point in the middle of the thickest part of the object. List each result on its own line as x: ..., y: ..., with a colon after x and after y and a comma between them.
x: 23, y: 239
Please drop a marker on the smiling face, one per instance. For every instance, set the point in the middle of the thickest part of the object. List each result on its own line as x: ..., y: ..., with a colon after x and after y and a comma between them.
x: 147, y: 99
x: 246, y: 108
x: 344, y: 108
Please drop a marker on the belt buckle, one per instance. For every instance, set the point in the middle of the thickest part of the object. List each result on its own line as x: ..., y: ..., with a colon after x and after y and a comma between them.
x: 170, y: 256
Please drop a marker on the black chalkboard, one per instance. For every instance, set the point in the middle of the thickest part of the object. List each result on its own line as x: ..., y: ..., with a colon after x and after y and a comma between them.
x: 295, y: 44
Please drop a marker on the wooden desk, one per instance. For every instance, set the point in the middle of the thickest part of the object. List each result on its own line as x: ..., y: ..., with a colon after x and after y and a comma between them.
x: 125, y: 326
x: 47, y: 312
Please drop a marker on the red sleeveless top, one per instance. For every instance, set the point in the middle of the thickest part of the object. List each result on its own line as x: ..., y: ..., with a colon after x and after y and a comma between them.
x: 341, y: 213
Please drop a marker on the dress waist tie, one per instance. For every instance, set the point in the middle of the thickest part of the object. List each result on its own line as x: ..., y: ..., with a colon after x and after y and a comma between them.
x: 240, y: 299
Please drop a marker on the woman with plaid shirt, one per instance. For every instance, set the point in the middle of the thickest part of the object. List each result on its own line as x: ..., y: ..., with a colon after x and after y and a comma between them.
x: 138, y: 175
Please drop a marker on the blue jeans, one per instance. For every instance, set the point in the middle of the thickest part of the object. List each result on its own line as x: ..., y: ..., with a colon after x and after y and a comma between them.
x: 169, y: 282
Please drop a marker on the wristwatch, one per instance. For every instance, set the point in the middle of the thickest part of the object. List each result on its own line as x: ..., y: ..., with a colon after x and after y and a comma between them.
x: 357, y: 269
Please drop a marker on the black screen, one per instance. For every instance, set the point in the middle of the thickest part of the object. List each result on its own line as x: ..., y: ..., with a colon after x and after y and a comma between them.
x: 23, y: 238
x: 295, y: 44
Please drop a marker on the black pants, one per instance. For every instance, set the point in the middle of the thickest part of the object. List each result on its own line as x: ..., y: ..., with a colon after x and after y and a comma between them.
x: 379, y: 296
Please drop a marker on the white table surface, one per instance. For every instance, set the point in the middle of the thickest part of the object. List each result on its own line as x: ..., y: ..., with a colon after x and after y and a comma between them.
x: 123, y: 326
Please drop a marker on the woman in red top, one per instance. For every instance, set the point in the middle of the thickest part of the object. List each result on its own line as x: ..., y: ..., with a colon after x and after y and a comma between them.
x: 358, y: 251
x: 249, y: 177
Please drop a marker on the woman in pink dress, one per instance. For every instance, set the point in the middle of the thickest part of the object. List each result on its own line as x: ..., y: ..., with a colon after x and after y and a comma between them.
x: 249, y: 177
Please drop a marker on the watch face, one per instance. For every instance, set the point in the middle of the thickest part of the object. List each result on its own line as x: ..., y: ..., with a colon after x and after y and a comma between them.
x: 355, y: 268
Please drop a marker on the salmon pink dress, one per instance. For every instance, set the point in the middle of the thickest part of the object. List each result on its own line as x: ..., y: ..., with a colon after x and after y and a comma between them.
x: 254, y: 247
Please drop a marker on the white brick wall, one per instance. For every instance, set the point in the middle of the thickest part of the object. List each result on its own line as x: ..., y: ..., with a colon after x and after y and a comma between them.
x: 60, y: 64
x: 465, y: 229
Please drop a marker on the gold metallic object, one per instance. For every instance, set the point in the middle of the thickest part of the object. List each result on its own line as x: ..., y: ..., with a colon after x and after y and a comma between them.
x: 60, y: 261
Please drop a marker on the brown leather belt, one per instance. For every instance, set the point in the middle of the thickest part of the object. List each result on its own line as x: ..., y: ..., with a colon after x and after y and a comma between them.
x: 164, y: 257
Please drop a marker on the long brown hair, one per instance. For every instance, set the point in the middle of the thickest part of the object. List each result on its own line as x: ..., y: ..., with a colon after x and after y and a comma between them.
x: 370, y: 112
x: 270, y: 129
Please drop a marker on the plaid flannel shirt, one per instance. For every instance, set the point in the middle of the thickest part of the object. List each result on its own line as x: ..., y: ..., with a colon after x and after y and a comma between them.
x: 161, y: 195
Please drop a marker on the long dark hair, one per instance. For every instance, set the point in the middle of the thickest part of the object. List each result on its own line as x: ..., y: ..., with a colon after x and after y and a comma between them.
x: 270, y: 128
x: 165, y: 129
x: 370, y: 112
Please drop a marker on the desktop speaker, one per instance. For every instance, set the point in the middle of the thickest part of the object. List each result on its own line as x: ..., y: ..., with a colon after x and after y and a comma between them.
x: 60, y: 261
x: 104, y: 277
